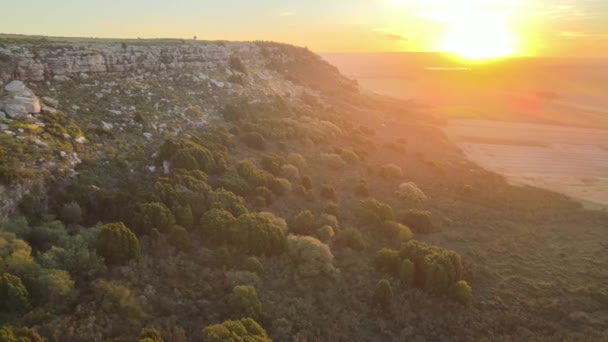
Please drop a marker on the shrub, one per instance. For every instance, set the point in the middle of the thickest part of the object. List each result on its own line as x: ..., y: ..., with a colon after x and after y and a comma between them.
x: 411, y: 193
x: 280, y: 186
x: 179, y: 238
x: 233, y: 182
x: 350, y: 238
x: 397, y: 231
x: 348, y: 155
x: 147, y: 216
x: 265, y: 193
x: 57, y: 284
x: 117, y: 244
x: 14, y: 297
x: 244, y: 302
x: 214, y: 225
x: 226, y: 200
x: 297, y: 160
x: 272, y: 163
x: 71, y: 213
x: 387, y: 260
x: 390, y: 172
x: 184, y: 217
x: 244, y: 330
x: 236, y: 112
x: 461, y: 292
x: 150, y: 334
x: 303, y: 223
x: 22, y: 334
x: 325, y: 234
x: 252, y: 174
x: 188, y: 155
x: 328, y: 192
x: 384, y: 294
x: 328, y: 220
x: 307, y: 182
x: 419, y: 221
x: 114, y: 298
x: 254, y: 140
x: 407, y: 272
x: 290, y: 172
x: 374, y: 213
x: 253, y: 264
x: 437, y: 269
x: 333, y: 160
x: 331, y: 209
x: 258, y: 235
x: 310, y: 257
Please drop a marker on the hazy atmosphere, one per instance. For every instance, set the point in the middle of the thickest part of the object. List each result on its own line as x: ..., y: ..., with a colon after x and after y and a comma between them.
x: 239, y: 171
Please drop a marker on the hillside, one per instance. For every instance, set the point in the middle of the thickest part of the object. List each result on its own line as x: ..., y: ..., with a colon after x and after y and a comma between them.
x: 187, y: 190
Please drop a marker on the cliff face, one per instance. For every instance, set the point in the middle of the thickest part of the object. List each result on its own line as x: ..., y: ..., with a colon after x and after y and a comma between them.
x: 49, y: 61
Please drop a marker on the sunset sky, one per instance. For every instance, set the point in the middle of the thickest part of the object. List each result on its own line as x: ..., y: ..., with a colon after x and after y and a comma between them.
x: 516, y: 27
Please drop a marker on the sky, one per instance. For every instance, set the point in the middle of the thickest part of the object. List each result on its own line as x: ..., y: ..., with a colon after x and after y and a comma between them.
x: 528, y: 27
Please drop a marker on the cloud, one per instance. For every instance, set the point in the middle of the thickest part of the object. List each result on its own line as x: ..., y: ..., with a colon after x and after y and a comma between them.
x: 389, y: 35
x: 287, y: 14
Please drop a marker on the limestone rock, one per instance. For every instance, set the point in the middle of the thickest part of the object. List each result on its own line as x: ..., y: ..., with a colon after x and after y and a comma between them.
x: 20, y: 101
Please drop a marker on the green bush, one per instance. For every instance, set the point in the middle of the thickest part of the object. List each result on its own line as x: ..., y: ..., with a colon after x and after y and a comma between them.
x: 71, y: 213
x: 280, y: 186
x: 390, y: 172
x: 253, y: 264
x: 252, y: 174
x: 179, y: 238
x: 384, y: 294
x: 328, y: 192
x: 257, y: 234
x: 407, y: 272
x: 254, y: 140
x: 184, y: 217
x: 419, y: 221
x: 265, y: 193
x: 303, y: 223
x: 244, y: 330
x: 214, y: 225
x: 437, y: 269
x: 12, y: 334
x: 147, y: 216
x: 350, y: 238
x: 462, y: 292
x: 117, y: 244
x: 397, y: 231
x: 236, y: 112
x: 188, y: 155
x: 237, y: 65
x: 325, y: 234
x: 233, y: 182
x: 310, y: 257
x: 226, y: 200
x: 375, y: 213
x: 387, y: 260
x: 290, y: 172
x: 116, y: 299
x: 272, y: 163
x: 14, y: 297
x: 244, y: 302
x: 331, y: 209
x: 307, y: 182
x: 150, y: 334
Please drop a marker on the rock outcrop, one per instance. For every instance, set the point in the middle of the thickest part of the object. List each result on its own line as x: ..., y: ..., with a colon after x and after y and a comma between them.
x: 19, y: 100
x: 59, y: 62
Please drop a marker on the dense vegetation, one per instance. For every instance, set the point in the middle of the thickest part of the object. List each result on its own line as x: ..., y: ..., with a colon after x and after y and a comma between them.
x: 301, y: 217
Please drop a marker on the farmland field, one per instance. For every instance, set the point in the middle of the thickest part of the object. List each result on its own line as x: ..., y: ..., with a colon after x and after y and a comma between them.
x: 569, y: 160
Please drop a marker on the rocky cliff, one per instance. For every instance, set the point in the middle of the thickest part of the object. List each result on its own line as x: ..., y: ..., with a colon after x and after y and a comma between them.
x: 37, y: 62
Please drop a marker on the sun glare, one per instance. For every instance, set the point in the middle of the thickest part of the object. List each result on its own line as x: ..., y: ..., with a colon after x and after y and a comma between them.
x: 476, y: 41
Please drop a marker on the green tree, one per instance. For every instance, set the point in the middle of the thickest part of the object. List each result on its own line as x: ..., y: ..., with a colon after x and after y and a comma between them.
x: 150, y: 334
x: 419, y: 221
x: 147, y: 216
x: 258, y: 235
x: 243, y: 330
x: 117, y: 244
x: 384, y: 294
x: 14, y: 297
x: 184, y: 217
x: 244, y: 302
x: 12, y: 334
x: 179, y: 238
x: 407, y: 272
x: 375, y: 213
x: 253, y: 264
x: 215, y: 224
x: 462, y: 292
x: 303, y: 223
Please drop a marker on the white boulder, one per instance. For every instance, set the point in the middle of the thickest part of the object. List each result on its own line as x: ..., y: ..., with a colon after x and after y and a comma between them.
x: 20, y: 101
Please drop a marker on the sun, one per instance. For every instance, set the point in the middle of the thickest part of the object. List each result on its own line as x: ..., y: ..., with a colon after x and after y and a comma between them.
x: 478, y: 37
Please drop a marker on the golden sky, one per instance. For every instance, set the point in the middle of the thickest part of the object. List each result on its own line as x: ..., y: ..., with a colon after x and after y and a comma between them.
x: 469, y: 27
